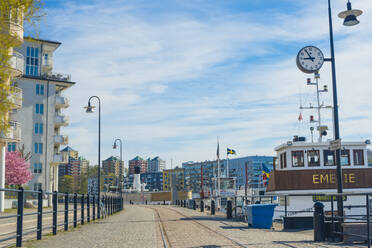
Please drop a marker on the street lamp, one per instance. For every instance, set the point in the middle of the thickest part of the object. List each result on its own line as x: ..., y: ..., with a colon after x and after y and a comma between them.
x: 90, y: 109
x: 114, y: 146
x: 349, y: 17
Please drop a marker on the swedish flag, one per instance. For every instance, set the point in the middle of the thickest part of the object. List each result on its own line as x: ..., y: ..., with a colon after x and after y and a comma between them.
x: 230, y: 151
x: 265, y: 171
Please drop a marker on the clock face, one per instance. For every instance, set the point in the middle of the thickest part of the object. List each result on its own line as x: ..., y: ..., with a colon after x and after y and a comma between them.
x: 310, y: 59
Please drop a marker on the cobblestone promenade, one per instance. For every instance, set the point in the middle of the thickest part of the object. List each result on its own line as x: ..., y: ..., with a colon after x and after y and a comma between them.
x: 168, y: 226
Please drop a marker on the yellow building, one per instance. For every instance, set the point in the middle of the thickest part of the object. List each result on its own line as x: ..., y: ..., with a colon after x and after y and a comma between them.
x: 180, y: 178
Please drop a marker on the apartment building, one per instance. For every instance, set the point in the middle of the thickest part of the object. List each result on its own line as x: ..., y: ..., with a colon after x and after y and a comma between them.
x: 179, y: 177
x: 73, y: 167
x: 41, y: 116
x: 138, y: 162
x: 113, y: 165
x: 156, y: 164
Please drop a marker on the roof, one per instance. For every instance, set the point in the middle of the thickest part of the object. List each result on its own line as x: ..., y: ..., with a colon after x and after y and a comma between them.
x: 67, y: 83
x: 137, y: 158
x: 68, y: 149
x: 43, y: 40
x: 111, y: 158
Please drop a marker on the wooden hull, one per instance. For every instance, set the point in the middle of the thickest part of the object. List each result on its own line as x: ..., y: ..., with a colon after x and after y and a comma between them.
x: 319, y: 179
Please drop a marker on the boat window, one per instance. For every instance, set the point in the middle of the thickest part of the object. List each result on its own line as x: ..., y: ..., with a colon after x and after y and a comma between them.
x: 313, y: 158
x: 358, y: 157
x: 345, y: 157
x: 283, y: 160
x: 329, y: 158
x: 297, y: 158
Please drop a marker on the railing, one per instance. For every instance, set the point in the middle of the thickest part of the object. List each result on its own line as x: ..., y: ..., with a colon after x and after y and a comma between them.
x: 66, y: 210
x: 16, y: 96
x: 57, y: 76
x: 61, y: 139
x: 60, y: 158
x: 17, y: 63
x: 61, y: 120
x: 62, y: 101
x: 14, y: 132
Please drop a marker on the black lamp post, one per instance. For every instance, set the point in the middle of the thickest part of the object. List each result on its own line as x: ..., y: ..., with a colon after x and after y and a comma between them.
x: 350, y: 19
x: 90, y: 109
x: 114, y: 146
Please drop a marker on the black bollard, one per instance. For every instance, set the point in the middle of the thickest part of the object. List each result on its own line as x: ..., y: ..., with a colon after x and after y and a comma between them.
x: 146, y: 202
x: 202, y: 206
x: 213, y: 208
x: 185, y: 203
x: 181, y: 203
x: 319, y: 228
x: 194, y: 205
x: 229, y: 209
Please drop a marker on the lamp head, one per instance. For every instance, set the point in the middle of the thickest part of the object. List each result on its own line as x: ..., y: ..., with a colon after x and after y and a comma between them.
x: 114, y: 146
x: 89, y: 108
x: 350, y: 15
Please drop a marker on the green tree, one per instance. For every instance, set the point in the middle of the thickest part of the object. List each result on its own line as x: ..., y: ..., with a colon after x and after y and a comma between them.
x: 66, y: 184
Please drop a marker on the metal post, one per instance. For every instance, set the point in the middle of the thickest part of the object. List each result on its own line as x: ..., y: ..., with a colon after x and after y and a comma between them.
x: 94, y: 207
x: 235, y: 206
x: 319, y: 228
x: 20, y: 217
x: 55, y: 202
x: 39, y: 214
x: 368, y: 222
x: 201, y: 206
x: 213, y: 207
x: 66, y: 212
x: 75, y: 210
x: 229, y: 209
x: 333, y: 219
x: 82, y: 209
x: 340, y: 204
x: 285, y: 206
x: 88, y: 208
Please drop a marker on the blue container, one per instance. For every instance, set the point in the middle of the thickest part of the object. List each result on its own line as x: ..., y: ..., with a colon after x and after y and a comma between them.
x: 260, y: 215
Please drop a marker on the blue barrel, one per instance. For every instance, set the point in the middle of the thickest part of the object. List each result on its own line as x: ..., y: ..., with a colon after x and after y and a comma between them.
x: 260, y: 215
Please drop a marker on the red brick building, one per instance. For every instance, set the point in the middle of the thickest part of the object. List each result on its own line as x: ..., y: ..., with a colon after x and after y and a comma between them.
x: 138, y: 162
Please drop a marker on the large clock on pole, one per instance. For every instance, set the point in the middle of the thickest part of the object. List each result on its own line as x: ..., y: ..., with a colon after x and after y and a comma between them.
x: 310, y: 59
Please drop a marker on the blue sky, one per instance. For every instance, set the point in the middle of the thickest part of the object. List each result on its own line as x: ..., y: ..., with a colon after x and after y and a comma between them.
x: 173, y: 75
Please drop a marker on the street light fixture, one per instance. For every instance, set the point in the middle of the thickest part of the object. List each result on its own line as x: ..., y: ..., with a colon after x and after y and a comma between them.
x: 90, y: 109
x: 114, y: 146
x: 349, y: 17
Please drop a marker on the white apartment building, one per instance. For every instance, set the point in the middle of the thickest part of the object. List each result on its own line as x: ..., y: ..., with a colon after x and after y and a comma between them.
x: 41, y: 116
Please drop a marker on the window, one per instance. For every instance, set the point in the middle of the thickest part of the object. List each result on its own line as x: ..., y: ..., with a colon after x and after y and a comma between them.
x: 39, y: 89
x: 358, y: 157
x: 32, y: 61
x: 283, y: 160
x: 37, y: 168
x: 38, y: 128
x: 313, y: 158
x: 345, y: 157
x: 37, y: 186
x: 297, y: 158
x: 329, y: 158
x: 38, y: 148
x: 39, y: 108
x: 11, y: 147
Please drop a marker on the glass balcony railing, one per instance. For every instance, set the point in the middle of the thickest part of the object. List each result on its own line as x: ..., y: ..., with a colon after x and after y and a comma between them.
x: 61, y: 120
x: 57, y: 76
x: 17, y: 64
x: 62, y: 102
x: 14, y: 132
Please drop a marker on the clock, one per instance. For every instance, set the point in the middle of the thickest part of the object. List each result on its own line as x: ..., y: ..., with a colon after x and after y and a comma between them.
x: 310, y: 59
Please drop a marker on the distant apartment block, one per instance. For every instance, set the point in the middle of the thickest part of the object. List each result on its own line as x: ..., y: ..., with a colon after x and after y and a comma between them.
x: 156, y: 164
x: 153, y: 180
x: 73, y: 167
x: 179, y: 176
x: 113, y: 165
x: 138, y: 162
x: 41, y: 116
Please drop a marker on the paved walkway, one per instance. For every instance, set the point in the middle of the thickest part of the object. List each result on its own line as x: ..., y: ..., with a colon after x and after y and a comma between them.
x: 133, y: 227
x: 139, y: 226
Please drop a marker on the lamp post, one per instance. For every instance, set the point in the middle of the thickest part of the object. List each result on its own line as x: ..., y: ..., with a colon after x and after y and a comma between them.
x: 350, y: 19
x: 114, y: 146
x: 90, y: 109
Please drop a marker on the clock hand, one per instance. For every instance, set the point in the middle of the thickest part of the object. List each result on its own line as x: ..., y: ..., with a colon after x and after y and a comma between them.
x: 312, y: 58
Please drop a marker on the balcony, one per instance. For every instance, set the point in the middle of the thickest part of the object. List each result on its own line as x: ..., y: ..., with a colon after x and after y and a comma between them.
x: 16, y: 65
x: 60, y: 158
x: 13, y: 134
x: 13, y: 27
x: 62, y: 102
x: 47, y: 65
x: 16, y: 97
x: 61, y: 120
x: 57, y: 76
x: 60, y: 139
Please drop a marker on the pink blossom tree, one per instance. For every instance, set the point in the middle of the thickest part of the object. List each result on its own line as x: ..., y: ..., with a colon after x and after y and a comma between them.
x: 17, y: 170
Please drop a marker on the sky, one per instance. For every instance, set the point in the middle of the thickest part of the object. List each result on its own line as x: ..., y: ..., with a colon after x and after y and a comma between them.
x: 172, y: 75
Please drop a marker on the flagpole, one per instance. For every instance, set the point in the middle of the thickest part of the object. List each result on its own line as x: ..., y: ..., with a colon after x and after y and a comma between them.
x: 218, y: 170
x: 227, y: 163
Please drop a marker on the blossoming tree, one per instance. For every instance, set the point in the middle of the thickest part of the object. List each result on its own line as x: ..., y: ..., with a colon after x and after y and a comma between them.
x: 17, y: 170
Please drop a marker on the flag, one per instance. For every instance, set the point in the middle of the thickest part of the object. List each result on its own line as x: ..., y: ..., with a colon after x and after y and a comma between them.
x: 218, y: 150
x: 265, y: 171
x: 300, y: 117
x: 231, y: 151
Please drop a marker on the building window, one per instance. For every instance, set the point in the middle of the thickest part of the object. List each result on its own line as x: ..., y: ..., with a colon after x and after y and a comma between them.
x: 38, y: 148
x: 283, y: 160
x: 32, y: 61
x: 37, y: 168
x: 329, y: 158
x: 39, y: 108
x: 345, y: 157
x: 358, y: 157
x: 38, y: 128
x: 297, y: 158
x: 37, y: 186
x: 313, y: 158
x: 11, y: 147
x: 39, y: 89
